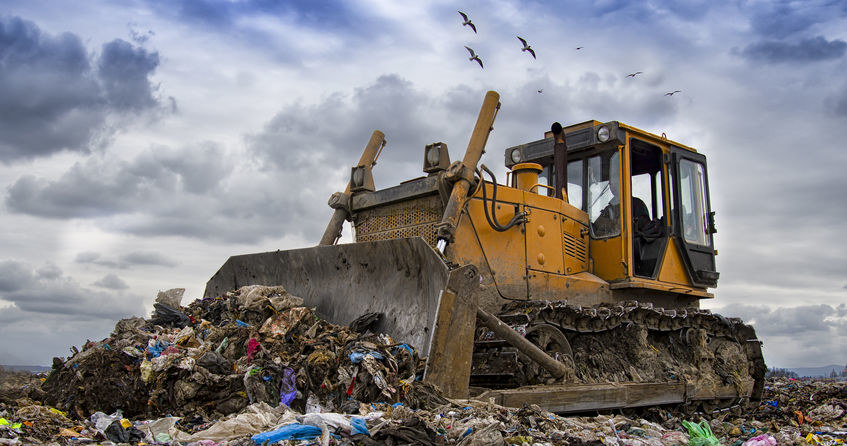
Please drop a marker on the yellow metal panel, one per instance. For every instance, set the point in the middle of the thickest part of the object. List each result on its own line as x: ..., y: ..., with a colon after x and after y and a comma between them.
x: 661, y: 286
x: 501, y: 253
x: 673, y: 269
x: 606, y: 254
x: 580, y: 289
x: 653, y: 138
x: 575, y: 238
x: 544, y: 250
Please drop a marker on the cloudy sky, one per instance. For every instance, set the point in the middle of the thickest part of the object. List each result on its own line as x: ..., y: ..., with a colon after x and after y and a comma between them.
x: 143, y: 142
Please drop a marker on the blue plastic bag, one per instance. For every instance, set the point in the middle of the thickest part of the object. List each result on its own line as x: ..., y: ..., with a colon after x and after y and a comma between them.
x: 294, y: 431
x: 357, y: 357
x: 359, y: 426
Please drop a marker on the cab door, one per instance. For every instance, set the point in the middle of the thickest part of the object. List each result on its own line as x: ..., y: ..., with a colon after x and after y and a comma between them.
x: 692, y: 217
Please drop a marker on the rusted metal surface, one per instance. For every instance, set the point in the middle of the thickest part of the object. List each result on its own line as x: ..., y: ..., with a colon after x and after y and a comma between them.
x: 556, y: 368
x: 410, y: 218
x: 476, y: 147
x: 451, y: 349
x: 585, y: 397
x: 400, y: 278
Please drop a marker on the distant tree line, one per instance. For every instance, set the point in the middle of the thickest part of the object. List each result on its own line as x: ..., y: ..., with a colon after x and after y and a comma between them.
x: 781, y: 373
x: 785, y: 373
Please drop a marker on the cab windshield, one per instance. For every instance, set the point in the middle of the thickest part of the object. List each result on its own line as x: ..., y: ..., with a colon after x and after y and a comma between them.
x: 604, y: 208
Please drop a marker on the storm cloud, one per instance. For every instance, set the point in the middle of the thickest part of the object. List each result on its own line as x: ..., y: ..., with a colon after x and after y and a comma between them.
x: 202, y: 191
x: 111, y: 282
x: 46, y: 289
x: 126, y: 261
x: 805, y: 50
x: 822, y: 329
x: 52, y: 97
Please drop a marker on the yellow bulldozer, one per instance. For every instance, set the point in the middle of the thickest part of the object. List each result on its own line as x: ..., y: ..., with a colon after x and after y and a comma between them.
x: 575, y: 285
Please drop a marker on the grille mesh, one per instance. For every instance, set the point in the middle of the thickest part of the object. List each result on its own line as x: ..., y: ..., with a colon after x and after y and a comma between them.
x: 575, y: 247
x: 410, y: 218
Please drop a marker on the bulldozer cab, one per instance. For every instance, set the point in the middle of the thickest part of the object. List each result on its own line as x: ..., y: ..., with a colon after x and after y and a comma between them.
x: 648, y: 205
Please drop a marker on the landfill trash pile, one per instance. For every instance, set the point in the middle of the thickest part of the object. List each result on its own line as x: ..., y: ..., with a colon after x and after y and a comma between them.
x: 217, y: 356
x: 255, y: 366
x: 18, y: 384
x: 463, y: 422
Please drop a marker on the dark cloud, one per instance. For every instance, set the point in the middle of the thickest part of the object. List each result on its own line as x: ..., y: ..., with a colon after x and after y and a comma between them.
x: 111, y: 282
x: 146, y: 258
x: 788, y: 321
x: 95, y: 258
x: 779, y: 19
x: 52, y: 99
x: 796, y: 336
x: 47, y: 290
x: 125, y: 261
x: 13, y: 275
x: 100, y: 187
x: 805, y: 50
x: 325, y: 14
x: 124, y: 71
x: 300, y: 157
x: 337, y: 128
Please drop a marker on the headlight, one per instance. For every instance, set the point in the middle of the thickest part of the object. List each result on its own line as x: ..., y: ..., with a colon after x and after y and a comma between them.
x: 603, y: 134
x: 516, y: 156
x: 432, y: 156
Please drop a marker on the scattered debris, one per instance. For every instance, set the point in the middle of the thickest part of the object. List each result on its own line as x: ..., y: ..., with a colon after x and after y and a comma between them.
x: 255, y: 366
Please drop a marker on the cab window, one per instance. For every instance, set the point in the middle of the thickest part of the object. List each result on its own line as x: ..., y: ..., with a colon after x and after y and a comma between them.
x: 604, y: 208
x: 692, y: 185
x: 575, y: 184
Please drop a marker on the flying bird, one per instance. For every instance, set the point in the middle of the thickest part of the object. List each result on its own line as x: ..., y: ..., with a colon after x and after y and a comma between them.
x: 526, y: 47
x: 673, y: 92
x: 474, y: 56
x: 580, y: 47
x: 467, y: 21
x: 540, y: 90
x: 633, y: 74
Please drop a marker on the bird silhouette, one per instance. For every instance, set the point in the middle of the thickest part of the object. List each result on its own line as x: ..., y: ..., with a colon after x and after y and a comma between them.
x: 467, y: 21
x: 540, y: 90
x: 474, y: 56
x: 673, y: 92
x: 580, y: 47
x: 633, y: 74
x: 526, y: 47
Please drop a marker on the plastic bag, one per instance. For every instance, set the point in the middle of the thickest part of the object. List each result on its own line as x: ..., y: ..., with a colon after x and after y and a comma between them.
x: 294, y: 431
x: 168, y: 316
x: 288, y: 388
x: 700, y: 434
x: 761, y: 440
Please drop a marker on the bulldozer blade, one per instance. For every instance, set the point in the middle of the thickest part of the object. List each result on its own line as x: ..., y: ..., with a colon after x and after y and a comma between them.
x: 401, y: 278
x: 448, y: 365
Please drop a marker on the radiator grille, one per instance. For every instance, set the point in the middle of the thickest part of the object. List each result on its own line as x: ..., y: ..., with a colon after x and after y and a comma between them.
x: 410, y: 218
x: 575, y: 248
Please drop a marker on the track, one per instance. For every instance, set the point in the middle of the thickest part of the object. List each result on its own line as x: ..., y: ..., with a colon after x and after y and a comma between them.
x: 628, y: 343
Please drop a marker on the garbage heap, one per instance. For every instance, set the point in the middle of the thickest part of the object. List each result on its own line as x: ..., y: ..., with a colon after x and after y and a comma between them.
x: 218, y: 355
x: 256, y: 367
x: 792, y: 411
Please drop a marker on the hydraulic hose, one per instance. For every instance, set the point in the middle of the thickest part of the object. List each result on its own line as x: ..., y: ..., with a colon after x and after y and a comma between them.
x: 519, y: 217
